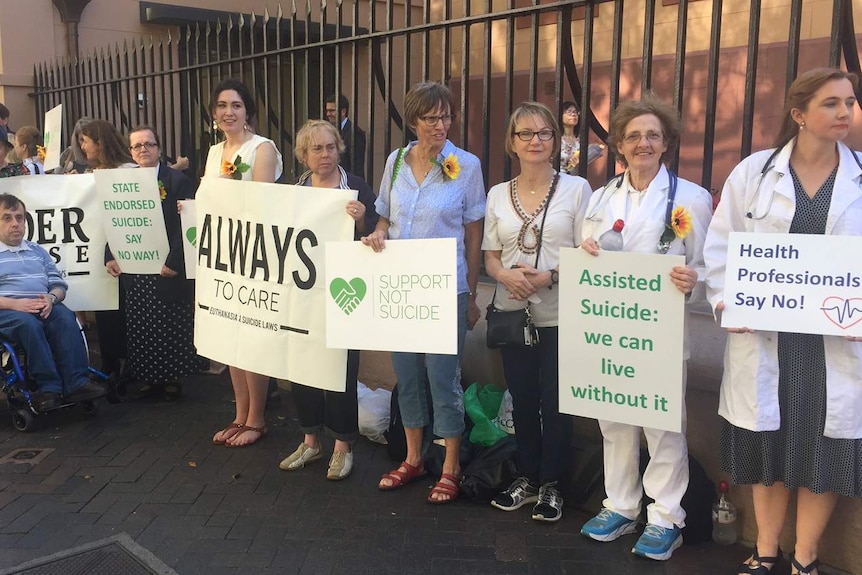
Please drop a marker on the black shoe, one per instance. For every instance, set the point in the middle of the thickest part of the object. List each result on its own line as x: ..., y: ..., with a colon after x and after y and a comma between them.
x: 47, y: 400
x: 90, y: 390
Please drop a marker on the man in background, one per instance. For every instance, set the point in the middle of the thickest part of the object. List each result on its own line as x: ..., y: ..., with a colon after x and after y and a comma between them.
x: 353, y: 158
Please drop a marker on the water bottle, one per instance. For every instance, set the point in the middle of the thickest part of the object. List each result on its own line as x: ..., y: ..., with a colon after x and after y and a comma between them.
x: 612, y: 240
x: 724, y: 518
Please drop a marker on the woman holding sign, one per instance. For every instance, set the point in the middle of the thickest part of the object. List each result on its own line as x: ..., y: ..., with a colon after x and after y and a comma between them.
x: 243, y: 155
x: 664, y: 214
x: 792, y: 402
x: 318, y: 146
x: 432, y: 189
x: 527, y: 221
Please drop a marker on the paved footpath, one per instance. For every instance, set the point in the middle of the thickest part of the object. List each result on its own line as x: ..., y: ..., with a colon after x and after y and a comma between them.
x: 151, y: 471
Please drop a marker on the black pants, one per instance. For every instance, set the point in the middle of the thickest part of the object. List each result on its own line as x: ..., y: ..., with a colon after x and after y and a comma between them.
x: 330, y: 410
x: 543, y: 435
x: 111, y: 328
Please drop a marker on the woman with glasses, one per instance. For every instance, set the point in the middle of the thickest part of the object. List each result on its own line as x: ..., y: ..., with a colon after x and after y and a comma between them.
x: 159, y: 313
x: 527, y: 221
x: 792, y: 402
x: 662, y: 214
x: 433, y: 189
x: 570, y: 146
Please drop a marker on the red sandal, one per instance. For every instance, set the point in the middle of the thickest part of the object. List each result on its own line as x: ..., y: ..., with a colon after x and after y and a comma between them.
x: 401, y: 478
x: 447, y: 485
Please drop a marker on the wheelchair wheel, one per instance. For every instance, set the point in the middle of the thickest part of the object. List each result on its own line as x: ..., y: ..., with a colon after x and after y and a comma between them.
x: 23, y: 420
x: 91, y: 408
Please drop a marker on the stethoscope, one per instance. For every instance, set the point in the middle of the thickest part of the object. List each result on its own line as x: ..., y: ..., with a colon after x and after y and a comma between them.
x: 769, y: 165
x: 616, y: 183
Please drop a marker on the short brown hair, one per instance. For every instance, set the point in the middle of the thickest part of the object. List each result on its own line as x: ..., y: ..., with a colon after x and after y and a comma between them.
x: 800, y: 93
x: 305, y: 137
x: 144, y: 128
x: 649, y: 103
x: 423, y: 98
x: 532, y: 109
x: 29, y: 136
x: 11, y: 202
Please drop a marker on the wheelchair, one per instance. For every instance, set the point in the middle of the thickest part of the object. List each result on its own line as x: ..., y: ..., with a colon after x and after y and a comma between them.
x: 19, y: 387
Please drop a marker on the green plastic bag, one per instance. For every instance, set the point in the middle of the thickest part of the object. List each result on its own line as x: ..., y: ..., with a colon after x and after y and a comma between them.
x: 482, y: 404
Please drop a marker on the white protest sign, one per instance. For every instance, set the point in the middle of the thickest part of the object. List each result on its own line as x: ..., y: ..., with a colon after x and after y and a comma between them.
x: 621, y: 338
x: 794, y: 283
x: 65, y: 218
x: 188, y: 225
x: 53, y: 137
x: 261, y: 278
x: 406, y: 296
x: 134, y: 222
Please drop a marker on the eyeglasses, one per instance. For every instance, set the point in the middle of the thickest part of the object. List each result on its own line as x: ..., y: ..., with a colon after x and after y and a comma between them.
x: 572, y: 113
x: 431, y: 121
x: 143, y: 146
x: 635, y: 137
x: 527, y: 135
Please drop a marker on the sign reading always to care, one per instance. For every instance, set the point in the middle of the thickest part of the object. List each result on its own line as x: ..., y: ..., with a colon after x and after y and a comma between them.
x: 401, y: 299
x: 794, y: 283
x: 621, y: 338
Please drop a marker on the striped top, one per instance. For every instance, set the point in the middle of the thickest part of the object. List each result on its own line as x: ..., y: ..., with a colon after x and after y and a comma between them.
x: 27, y: 271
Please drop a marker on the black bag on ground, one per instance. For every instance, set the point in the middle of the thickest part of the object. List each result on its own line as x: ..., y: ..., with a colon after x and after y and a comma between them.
x: 486, y: 471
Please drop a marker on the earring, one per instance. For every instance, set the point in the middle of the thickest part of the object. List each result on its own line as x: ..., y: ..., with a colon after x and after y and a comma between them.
x: 802, y: 126
x: 215, y: 125
x: 246, y: 128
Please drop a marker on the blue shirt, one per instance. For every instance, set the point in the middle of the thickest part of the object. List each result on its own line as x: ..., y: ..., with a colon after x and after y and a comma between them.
x: 438, y: 208
x: 27, y: 271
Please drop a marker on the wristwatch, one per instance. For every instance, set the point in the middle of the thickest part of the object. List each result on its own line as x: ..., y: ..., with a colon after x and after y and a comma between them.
x: 54, y: 298
x: 555, y: 279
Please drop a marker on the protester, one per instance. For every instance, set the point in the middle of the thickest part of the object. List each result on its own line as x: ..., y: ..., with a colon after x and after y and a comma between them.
x: 353, y: 155
x: 104, y: 146
x: 29, y: 149
x: 527, y: 221
x: 33, y: 315
x: 318, y: 145
x: 7, y: 169
x: 432, y: 189
x: 73, y: 160
x: 5, y: 131
x: 662, y: 214
x: 159, y: 310
x: 254, y: 158
x: 788, y: 398
x: 570, y: 146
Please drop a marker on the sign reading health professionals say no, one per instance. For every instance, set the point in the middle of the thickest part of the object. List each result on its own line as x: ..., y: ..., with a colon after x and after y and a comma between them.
x: 401, y: 299
x: 260, y: 286
x: 621, y: 338
x: 794, y: 283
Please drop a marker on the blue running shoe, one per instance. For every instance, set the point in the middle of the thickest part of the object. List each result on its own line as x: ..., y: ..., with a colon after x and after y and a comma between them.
x: 608, y: 526
x: 658, y: 542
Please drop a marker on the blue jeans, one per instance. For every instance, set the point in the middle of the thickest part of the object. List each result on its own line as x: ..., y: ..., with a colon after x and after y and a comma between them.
x: 444, y: 375
x: 56, y: 357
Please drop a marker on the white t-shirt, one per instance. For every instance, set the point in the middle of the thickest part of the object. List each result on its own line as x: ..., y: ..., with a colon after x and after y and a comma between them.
x: 562, y: 229
x: 246, y: 153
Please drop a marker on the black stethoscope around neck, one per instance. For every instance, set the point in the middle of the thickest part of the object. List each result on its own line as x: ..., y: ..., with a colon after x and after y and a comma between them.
x: 750, y: 211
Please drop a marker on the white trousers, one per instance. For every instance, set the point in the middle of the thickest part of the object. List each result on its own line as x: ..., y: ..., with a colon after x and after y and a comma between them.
x: 665, y: 479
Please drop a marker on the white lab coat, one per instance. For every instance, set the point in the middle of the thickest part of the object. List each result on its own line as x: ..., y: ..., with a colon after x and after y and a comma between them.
x: 749, y: 387
x: 666, y: 477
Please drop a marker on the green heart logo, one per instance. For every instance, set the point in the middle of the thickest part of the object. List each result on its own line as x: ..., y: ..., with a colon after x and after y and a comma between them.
x: 347, y: 295
x: 47, y: 139
x: 192, y: 236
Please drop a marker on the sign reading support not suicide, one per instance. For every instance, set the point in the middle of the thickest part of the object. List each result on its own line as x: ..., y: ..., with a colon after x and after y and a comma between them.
x: 621, y: 336
x: 794, y: 283
x: 134, y: 222
x: 404, y: 298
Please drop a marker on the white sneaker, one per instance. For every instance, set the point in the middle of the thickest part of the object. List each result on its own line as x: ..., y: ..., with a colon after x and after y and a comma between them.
x: 340, y: 465
x: 297, y: 460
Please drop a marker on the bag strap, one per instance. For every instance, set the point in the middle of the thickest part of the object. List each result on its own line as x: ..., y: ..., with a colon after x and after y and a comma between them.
x: 399, y: 161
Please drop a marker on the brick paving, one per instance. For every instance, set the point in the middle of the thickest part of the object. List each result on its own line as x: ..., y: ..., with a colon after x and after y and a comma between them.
x: 151, y: 471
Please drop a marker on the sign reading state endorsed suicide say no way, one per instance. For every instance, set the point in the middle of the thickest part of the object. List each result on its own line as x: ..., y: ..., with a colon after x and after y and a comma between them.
x: 794, y: 283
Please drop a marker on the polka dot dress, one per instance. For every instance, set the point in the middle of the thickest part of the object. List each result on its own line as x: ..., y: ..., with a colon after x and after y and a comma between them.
x: 160, y: 333
x: 798, y: 454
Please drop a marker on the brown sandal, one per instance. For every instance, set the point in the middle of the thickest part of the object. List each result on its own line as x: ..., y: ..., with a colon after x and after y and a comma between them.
x: 447, y: 485
x: 401, y: 478
x: 228, y: 428
x: 260, y: 430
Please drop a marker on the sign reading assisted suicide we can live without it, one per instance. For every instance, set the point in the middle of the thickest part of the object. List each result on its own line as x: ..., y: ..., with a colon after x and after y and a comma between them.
x: 404, y: 298
x: 794, y: 283
x: 621, y: 338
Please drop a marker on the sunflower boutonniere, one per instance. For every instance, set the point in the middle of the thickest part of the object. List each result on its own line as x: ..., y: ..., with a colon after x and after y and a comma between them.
x: 163, y: 191
x: 450, y: 166
x: 234, y: 170
x: 679, y: 227
x: 41, y: 153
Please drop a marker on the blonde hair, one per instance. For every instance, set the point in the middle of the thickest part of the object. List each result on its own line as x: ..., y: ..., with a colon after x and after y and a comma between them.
x: 532, y: 109
x: 306, y: 136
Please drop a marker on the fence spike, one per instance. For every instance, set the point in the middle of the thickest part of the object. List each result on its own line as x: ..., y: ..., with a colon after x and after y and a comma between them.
x: 280, y: 12
x: 293, y: 11
x: 240, y: 21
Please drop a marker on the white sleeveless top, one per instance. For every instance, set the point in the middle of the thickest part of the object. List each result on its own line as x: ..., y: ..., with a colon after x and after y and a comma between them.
x: 246, y: 153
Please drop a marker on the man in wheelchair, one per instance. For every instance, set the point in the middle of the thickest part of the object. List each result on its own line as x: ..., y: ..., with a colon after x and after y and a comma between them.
x: 33, y: 316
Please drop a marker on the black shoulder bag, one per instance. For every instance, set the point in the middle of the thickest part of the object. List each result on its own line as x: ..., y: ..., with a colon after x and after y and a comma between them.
x: 516, y: 328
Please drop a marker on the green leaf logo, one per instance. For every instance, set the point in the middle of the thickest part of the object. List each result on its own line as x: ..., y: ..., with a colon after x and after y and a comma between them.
x: 192, y: 236
x: 347, y: 295
x: 47, y: 139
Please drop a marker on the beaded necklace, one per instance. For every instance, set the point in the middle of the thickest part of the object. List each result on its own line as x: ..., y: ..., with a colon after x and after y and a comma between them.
x: 529, y: 234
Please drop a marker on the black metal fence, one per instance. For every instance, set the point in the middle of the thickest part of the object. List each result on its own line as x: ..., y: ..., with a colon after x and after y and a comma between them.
x: 493, y: 53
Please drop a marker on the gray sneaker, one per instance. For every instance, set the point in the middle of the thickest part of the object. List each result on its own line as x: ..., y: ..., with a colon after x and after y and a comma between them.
x: 520, y: 493
x: 550, y: 505
x: 340, y: 465
x: 297, y: 460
